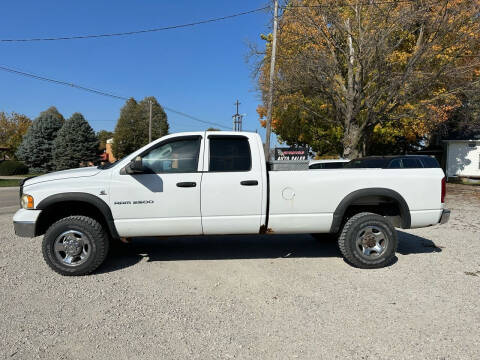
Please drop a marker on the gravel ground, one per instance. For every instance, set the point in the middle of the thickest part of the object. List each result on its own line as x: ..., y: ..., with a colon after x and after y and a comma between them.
x: 9, y: 201
x: 257, y: 297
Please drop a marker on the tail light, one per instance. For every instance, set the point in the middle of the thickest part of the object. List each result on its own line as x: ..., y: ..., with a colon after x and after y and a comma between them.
x: 444, y: 190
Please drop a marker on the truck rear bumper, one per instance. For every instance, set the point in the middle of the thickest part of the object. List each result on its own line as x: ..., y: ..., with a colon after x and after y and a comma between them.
x: 24, y: 222
x: 445, y: 216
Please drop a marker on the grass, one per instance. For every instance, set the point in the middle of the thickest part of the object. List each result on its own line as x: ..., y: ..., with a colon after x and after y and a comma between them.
x: 9, y: 182
x: 28, y: 175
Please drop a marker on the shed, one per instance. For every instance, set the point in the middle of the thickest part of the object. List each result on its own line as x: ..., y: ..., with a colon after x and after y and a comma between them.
x: 463, y: 158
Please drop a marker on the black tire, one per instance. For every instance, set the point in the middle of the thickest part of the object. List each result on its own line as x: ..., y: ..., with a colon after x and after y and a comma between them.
x: 94, y: 243
x: 360, y: 241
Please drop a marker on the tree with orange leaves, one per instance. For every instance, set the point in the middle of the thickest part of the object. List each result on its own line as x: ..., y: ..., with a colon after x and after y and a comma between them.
x: 351, y: 72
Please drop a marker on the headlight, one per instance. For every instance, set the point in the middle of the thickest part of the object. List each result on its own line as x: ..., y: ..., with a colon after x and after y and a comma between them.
x: 27, y: 201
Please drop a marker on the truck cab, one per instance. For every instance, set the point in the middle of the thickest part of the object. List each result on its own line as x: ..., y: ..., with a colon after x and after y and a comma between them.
x: 191, y: 184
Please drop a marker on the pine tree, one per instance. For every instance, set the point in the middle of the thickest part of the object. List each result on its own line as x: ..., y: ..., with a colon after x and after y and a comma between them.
x: 76, y: 143
x: 36, y: 149
x: 127, y: 137
x: 131, y: 132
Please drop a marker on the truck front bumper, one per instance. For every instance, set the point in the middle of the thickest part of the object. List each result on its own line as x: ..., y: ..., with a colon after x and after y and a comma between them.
x: 445, y: 216
x: 24, y: 222
x: 24, y: 228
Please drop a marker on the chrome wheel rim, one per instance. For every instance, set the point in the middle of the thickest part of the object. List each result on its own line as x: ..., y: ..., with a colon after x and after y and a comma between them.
x: 371, y: 242
x: 72, y: 248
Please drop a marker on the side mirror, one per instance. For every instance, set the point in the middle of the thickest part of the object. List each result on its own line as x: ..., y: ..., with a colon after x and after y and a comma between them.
x: 136, y: 166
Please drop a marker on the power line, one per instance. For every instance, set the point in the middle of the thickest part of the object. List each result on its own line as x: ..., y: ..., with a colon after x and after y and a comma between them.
x: 127, y: 33
x: 103, y: 93
x: 195, y: 118
x: 59, y: 82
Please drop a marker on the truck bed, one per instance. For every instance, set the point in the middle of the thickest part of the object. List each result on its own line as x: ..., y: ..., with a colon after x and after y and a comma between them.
x: 308, y: 199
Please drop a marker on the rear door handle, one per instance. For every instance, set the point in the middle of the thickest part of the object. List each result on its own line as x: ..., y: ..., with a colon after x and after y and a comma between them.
x: 186, y: 184
x: 249, y: 182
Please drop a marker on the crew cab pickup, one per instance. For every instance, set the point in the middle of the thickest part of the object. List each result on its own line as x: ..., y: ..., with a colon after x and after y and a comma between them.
x: 205, y: 183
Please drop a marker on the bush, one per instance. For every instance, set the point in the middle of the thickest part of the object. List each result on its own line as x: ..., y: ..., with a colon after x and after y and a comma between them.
x: 12, y: 167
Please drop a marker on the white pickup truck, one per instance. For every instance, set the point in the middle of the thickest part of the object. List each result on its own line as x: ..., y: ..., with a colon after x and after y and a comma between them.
x: 205, y: 183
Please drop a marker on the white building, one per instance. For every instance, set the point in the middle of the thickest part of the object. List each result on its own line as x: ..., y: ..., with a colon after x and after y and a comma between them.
x: 463, y: 158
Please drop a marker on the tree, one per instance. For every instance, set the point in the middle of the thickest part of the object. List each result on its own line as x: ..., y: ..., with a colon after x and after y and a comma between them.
x: 159, y: 118
x: 464, y: 122
x: 213, y: 129
x: 76, y: 143
x: 37, y: 146
x: 354, y: 71
x: 131, y: 131
x: 103, y: 136
x: 12, y: 129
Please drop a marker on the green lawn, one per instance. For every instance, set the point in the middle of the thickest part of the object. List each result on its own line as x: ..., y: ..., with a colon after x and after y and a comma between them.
x: 29, y: 175
x: 9, y: 182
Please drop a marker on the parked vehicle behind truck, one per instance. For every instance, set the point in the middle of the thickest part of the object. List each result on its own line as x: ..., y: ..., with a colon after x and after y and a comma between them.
x: 327, y: 164
x: 205, y: 183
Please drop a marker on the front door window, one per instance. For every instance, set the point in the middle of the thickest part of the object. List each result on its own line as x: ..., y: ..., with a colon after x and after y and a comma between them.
x: 178, y: 156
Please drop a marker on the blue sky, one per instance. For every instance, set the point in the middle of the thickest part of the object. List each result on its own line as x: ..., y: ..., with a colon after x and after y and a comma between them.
x: 199, y: 70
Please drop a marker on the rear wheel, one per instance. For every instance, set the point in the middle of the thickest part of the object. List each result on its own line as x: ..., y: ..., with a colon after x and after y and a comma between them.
x: 75, y: 245
x: 368, y: 241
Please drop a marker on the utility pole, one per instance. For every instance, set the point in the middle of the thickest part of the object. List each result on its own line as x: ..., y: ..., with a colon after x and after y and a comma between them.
x: 270, y: 90
x: 237, y: 119
x: 150, y: 123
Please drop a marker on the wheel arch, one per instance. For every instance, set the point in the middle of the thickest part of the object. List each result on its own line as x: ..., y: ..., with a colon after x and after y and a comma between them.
x: 353, y: 197
x: 86, y: 203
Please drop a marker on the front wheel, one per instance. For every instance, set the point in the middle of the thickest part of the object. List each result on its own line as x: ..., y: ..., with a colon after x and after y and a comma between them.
x: 75, y: 245
x: 368, y: 241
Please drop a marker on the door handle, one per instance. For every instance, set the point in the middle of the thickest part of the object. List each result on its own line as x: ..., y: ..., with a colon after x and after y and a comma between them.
x: 249, y: 182
x: 186, y: 184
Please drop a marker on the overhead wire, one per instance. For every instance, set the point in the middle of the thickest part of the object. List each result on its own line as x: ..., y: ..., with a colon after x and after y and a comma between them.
x: 135, y: 32
x: 103, y: 93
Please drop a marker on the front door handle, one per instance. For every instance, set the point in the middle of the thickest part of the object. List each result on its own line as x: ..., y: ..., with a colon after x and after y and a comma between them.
x: 249, y: 182
x: 186, y: 184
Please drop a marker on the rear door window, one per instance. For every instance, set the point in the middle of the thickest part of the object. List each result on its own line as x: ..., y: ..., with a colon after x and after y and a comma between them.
x: 229, y: 153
